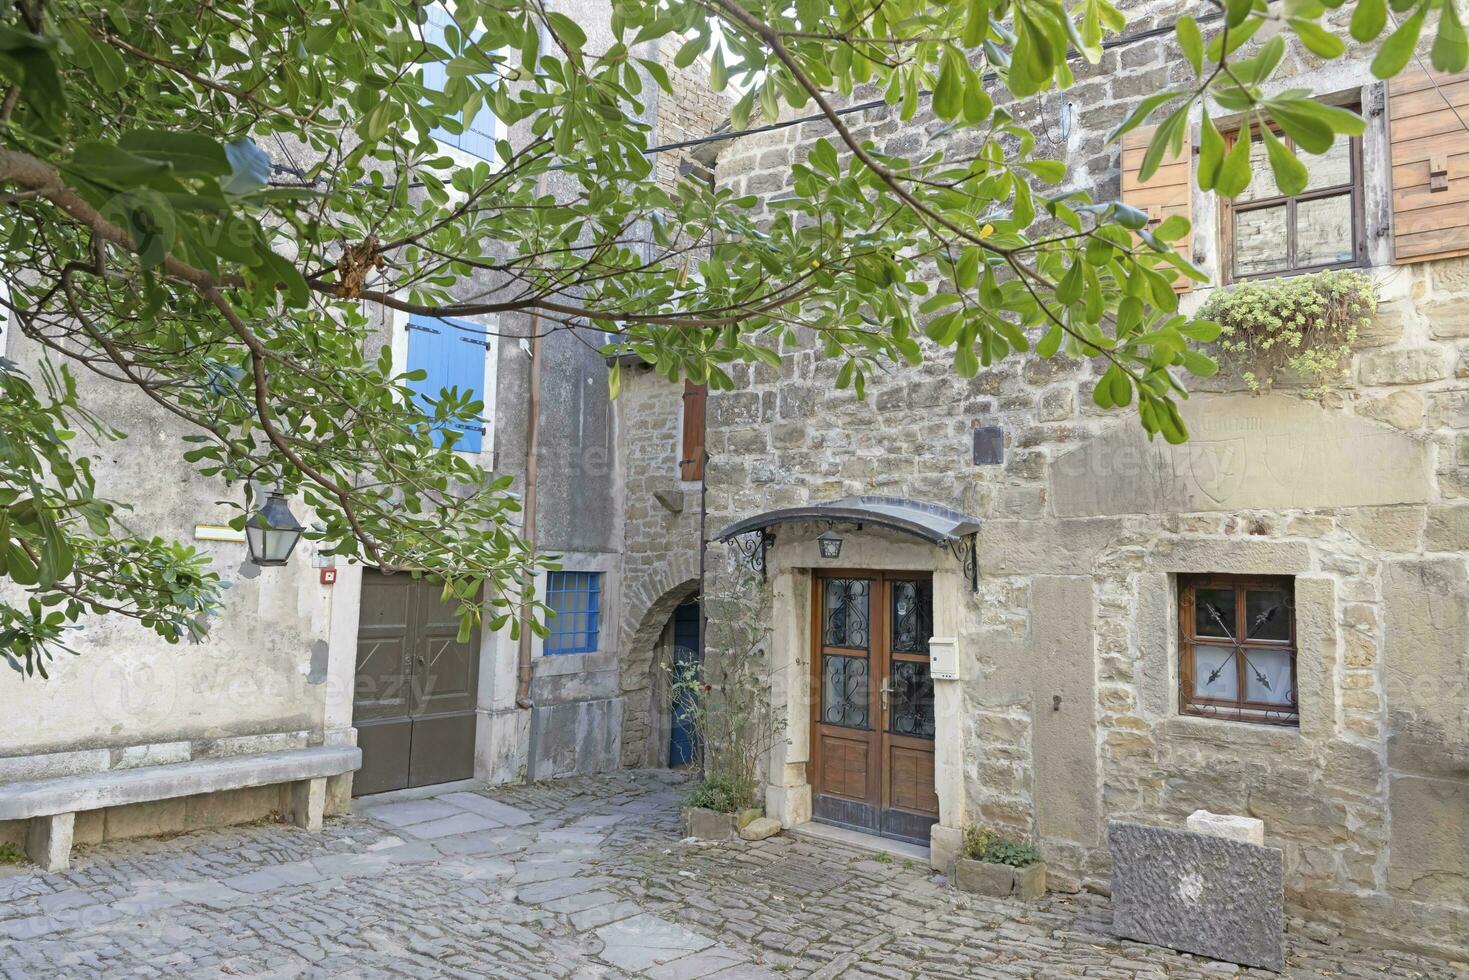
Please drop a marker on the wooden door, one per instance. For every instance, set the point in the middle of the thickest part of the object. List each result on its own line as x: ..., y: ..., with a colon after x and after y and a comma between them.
x: 416, y: 687
x: 872, y: 716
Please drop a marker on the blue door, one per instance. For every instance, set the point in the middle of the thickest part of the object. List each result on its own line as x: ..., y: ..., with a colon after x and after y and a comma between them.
x: 681, y: 738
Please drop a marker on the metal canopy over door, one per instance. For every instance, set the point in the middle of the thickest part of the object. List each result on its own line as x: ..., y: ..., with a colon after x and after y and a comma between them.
x: 416, y: 687
x: 873, y: 714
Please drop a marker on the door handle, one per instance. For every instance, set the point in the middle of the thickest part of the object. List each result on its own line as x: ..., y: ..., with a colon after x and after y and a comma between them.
x: 886, y: 689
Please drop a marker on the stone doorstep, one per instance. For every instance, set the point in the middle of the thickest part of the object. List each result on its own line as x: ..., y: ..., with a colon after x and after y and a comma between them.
x: 871, y: 843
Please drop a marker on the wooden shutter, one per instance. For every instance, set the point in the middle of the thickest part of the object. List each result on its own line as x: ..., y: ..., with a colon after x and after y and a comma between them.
x: 691, y: 455
x: 451, y: 353
x: 1427, y: 112
x: 1169, y: 191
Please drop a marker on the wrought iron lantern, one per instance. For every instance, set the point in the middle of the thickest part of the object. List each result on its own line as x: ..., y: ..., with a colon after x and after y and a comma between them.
x: 830, y: 543
x: 272, y: 532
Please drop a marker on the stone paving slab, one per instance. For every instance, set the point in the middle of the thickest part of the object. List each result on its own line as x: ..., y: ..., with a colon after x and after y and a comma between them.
x: 583, y: 877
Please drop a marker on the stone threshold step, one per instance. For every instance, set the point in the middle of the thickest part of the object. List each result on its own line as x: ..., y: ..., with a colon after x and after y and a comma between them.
x: 861, y: 841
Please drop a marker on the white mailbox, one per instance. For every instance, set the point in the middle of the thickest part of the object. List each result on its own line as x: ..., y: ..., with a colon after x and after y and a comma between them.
x: 943, y: 658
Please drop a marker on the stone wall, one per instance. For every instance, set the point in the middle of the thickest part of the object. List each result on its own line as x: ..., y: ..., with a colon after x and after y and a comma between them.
x: 660, y: 553
x: 661, y: 511
x: 1361, y: 496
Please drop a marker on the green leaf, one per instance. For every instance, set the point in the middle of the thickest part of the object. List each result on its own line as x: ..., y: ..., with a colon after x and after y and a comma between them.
x: 948, y: 94
x: 1234, y: 172
x: 1318, y: 39
x: 1235, y: 11
x: 1291, y: 175
x: 689, y: 52
x: 185, y: 152
x: 1393, y: 56
x: 1191, y: 40
x: 1211, y: 154
x: 1450, y: 47
x: 1138, y: 115
x: 1368, y: 19
x: 568, y: 31
x: 113, y: 166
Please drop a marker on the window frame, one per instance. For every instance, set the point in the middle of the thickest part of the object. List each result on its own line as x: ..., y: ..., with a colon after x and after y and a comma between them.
x: 1230, y: 209
x: 1240, y: 708
x: 590, y: 635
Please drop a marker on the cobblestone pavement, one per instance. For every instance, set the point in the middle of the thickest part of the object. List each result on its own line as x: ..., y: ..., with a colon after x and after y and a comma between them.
x: 584, y: 877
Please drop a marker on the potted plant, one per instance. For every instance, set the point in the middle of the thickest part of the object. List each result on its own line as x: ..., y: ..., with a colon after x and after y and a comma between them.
x: 726, y: 699
x: 718, y: 808
x: 992, y: 864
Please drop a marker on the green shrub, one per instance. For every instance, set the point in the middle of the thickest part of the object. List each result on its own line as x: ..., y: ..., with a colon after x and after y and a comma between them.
x: 1305, y: 324
x: 720, y: 792
x: 9, y: 854
x: 984, y: 844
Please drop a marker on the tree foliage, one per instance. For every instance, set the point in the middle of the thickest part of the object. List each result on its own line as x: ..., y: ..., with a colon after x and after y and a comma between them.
x: 152, y: 242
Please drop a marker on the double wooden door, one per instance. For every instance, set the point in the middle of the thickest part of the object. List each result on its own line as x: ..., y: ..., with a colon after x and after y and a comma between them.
x: 416, y: 687
x: 872, y: 710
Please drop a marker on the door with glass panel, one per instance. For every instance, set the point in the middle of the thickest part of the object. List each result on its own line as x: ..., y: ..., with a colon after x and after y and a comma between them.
x: 872, y: 714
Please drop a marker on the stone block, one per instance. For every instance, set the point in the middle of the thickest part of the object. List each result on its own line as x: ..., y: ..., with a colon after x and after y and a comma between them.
x: 1251, y: 830
x: 1270, y: 452
x: 307, y: 804
x: 146, y: 819
x: 984, y: 878
x: 760, y: 828
x: 234, y: 806
x: 1448, y: 528
x: 1430, y: 839
x: 1399, y: 409
x: 1389, y: 528
x: 1425, y: 665
x: 1030, y: 882
x: 1024, y: 547
x: 1208, y: 895
x: 1384, y: 328
x: 576, y: 737
x: 1447, y: 318
x: 48, y: 841
x: 1409, y: 366
x: 747, y: 816
x: 705, y: 824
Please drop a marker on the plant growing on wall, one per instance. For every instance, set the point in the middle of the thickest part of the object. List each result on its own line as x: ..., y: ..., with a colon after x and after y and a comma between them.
x: 216, y: 206
x: 1303, y: 324
x: 727, y: 700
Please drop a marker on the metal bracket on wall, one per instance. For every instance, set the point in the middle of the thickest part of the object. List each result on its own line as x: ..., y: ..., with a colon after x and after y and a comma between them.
x: 751, y: 547
x: 965, y: 550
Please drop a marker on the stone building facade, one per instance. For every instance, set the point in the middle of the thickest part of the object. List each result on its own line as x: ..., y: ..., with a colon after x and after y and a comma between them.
x: 1067, y: 708
x: 288, y: 663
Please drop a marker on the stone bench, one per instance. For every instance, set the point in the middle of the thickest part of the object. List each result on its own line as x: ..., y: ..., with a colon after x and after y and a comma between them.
x: 51, y: 805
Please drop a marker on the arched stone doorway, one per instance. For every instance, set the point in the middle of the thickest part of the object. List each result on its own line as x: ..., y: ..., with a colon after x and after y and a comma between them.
x: 647, y: 645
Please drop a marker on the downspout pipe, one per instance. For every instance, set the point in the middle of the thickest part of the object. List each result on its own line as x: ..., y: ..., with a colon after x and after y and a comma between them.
x: 528, y: 524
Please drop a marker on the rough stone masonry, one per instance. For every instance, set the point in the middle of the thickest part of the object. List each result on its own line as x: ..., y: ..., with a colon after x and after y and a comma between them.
x: 1361, y: 497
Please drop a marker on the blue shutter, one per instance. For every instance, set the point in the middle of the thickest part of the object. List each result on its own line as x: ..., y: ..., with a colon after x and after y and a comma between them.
x: 479, y: 138
x: 452, y: 354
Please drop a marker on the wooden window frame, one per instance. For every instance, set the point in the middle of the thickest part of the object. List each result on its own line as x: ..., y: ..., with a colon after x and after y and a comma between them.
x: 1229, y: 209
x: 1238, y: 709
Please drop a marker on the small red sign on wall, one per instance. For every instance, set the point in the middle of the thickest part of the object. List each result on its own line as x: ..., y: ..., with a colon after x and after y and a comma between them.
x: 328, y: 576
